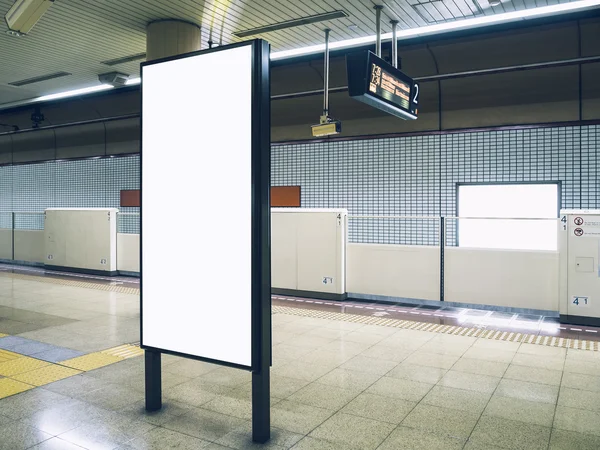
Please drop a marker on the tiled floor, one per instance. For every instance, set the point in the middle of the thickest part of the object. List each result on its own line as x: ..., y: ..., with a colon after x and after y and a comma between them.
x: 335, y: 385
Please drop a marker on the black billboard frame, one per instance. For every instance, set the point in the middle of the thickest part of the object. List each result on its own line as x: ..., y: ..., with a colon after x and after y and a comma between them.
x: 261, y: 335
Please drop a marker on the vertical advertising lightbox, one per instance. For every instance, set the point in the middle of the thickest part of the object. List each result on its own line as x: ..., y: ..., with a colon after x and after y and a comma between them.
x: 205, y: 261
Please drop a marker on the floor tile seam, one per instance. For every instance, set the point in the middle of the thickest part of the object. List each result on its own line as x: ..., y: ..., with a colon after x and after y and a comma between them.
x: 537, y: 382
x: 401, y: 424
x: 205, y: 439
x: 45, y: 440
x: 556, y: 405
x: 409, y: 413
x: 491, y: 396
x: 91, y: 422
x: 339, y: 410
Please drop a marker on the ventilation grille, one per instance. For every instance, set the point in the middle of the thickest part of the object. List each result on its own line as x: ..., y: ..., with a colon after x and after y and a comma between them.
x: 437, y: 11
x: 292, y: 23
x: 50, y: 76
x: 125, y: 59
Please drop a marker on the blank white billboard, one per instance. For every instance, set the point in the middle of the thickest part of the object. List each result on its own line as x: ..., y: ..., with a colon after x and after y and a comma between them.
x: 505, y: 210
x: 196, y: 205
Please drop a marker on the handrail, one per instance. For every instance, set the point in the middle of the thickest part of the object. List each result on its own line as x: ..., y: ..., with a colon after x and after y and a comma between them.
x: 502, y: 218
x: 452, y: 217
x: 395, y: 217
x: 354, y: 216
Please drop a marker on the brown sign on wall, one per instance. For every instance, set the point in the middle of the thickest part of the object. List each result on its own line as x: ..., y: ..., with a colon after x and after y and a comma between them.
x: 130, y: 198
x: 285, y: 196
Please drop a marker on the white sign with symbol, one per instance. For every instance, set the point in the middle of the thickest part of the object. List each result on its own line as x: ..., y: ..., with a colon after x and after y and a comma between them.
x: 588, y: 227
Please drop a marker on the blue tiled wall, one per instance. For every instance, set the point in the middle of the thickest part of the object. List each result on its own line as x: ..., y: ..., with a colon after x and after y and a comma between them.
x: 404, y: 176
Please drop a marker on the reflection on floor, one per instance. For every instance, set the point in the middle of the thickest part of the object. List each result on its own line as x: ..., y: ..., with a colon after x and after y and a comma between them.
x: 336, y: 384
x: 448, y: 315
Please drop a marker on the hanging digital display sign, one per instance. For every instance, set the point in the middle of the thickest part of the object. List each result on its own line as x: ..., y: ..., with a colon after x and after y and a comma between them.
x: 373, y: 81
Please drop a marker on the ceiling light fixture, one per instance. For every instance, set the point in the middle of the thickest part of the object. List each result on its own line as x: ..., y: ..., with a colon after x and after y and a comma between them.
x: 447, y: 26
x: 292, y: 23
x: 73, y: 93
x: 14, y: 33
x: 24, y: 14
x: 124, y: 59
x: 131, y: 81
x: 49, y: 76
x: 495, y: 2
x: 422, y: 31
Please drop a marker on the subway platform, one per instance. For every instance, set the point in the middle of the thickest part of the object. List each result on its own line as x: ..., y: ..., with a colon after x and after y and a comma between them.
x: 350, y: 375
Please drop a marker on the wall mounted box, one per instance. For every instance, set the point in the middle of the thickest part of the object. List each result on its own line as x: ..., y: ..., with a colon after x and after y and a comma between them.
x: 81, y: 239
x: 579, y: 246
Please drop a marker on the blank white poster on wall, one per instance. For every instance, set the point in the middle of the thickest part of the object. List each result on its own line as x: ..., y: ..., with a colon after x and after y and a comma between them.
x: 508, y: 216
x: 196, y: 205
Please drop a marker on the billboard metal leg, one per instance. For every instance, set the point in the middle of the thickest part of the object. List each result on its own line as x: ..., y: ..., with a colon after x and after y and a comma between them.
x: 261, y: 405
x: 153, y: 381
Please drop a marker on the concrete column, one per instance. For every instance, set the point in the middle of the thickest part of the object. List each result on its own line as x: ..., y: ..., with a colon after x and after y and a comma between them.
x: 171, y: 37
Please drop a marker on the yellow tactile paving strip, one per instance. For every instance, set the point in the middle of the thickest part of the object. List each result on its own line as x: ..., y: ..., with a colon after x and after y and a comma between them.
x: 446, y: 329
x: 10, y: 387
x: 125, y: 351
x: 21, y: 365
x: 103, y: 358
x: 5, y: 355
x: 91, y: 361
x: 23, y: 373
x: 45, y: 375
x: 82, y: 284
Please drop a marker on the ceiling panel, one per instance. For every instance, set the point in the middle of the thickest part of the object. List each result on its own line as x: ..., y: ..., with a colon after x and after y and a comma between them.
x: 74, y: 36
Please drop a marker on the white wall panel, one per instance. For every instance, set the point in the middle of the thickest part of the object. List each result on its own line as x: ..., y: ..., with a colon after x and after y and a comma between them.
x: 511, y: 278
x: 308, y: 249
x: 82, y: 238
x: 394, y: 270
x: 128, y: 252
x: 29, y: 246
x: 5, y: 244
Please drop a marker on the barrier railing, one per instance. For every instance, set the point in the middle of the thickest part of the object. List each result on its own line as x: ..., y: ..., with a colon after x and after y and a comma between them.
x: 128, y: 222
x: 507, y: 233
x: 456, y: 268
x: 398, y: 230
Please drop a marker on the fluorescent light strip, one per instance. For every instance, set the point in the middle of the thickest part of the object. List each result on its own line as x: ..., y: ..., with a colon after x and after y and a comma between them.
x: 448, y: 26
x: 87, y: 90
x: 133, y: 81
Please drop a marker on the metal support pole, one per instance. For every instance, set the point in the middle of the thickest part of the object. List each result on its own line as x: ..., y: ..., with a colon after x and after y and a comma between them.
x: 326, y: 75
x: 442, y: 250
x: 394, y: 43
x: 261, y: 254
x: 378, y: 9
x: 153, y: 380
x: 13, y: 216
x: 261, y: 405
